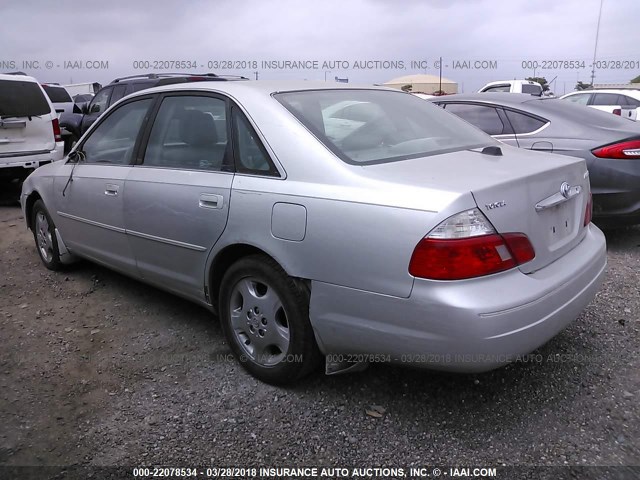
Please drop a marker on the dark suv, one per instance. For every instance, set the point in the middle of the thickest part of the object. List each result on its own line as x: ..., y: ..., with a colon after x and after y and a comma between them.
x: 78, y: 123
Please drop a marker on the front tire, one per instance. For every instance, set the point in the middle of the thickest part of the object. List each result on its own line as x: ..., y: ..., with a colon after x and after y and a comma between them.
x: 265, y: 317
x: 45, y: 237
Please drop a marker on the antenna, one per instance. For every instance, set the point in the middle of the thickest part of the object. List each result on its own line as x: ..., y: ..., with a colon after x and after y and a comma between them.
x: 595, y: 48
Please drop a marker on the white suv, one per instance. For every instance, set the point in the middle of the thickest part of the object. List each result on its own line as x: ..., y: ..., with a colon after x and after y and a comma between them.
x: 29, y: 130
x: 514, y: 86
x: 622, y: 102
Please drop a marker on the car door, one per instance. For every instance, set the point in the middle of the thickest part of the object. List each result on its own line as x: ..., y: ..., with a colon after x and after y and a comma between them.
x: 90, y: 192
x: 96, y: 107
x: 178, y: 194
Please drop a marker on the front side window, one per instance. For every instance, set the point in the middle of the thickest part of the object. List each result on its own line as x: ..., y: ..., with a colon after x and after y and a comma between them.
x: 114, y: 139
x: 386, y: 126
x: 580, y: 98
x: 189, y: 132
x: 484, y: 117
x: 100, y: 101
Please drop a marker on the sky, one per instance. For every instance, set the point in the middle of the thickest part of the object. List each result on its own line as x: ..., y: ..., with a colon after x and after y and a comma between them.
x: 364, y: 41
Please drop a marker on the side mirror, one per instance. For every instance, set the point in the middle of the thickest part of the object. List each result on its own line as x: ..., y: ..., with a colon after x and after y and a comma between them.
x: 75, y: 156
x: 95, y: 108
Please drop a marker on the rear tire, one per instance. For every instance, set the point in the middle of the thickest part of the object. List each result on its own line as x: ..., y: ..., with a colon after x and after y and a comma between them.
x: 45, y: 237
x: 265, y: 317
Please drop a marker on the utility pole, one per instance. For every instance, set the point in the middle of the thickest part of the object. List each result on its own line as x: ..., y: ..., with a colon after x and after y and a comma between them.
x: 256, y: 74
x: 595, y: 48
x: 440, y: 88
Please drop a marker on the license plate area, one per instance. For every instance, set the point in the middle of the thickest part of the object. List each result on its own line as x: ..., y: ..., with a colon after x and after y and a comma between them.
x: 559, y: 223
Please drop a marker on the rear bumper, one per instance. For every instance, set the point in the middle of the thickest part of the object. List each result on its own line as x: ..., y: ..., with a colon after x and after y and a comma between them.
x: 466, y: 326
x: 615, y: 185
x: 15, y: 166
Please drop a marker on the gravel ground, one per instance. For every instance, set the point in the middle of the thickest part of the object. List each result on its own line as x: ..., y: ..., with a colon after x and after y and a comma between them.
x: 99, y: 369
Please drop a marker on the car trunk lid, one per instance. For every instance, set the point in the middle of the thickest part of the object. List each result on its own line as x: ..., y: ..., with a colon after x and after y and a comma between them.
x: 507, y: 188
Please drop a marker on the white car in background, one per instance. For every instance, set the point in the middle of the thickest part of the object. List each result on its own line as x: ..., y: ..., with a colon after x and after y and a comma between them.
x: 60, y: 98
x: 622, y: 102
x: 513, y: 86
x: 29, y: 131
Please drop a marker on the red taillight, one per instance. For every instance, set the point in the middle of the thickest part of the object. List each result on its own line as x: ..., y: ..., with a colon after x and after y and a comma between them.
x: 457, y: 259
x: 617, y: 111
x: 589, y: 211
x: 623, y: 150
x: 519, y: 246
x: 57, y: 135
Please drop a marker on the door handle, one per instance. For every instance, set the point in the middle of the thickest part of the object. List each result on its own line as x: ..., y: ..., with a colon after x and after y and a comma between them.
x: 211, y: 200
x: 111, y: 189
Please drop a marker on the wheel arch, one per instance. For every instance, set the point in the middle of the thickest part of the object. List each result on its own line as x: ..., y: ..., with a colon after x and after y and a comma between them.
x: 33, y: 197
x: 226, y: 257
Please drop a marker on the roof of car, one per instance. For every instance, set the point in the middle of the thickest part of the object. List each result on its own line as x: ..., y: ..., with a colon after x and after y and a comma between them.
x: 17, y: 76
x: 263, y: 86
x: 504, y: 98
x: 621, y: 91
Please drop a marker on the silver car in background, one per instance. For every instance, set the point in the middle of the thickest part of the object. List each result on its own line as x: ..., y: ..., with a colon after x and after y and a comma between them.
x: 399, y: 234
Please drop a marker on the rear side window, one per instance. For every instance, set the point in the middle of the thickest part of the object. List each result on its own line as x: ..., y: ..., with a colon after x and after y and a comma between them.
x: 606, y: 99
x: 22, y: 99
x: 189, y: 132
x: 484, y: 117
x: 532, y: 89
x: 57, y: 94
x: 522, y: 123
x: 629, y: 101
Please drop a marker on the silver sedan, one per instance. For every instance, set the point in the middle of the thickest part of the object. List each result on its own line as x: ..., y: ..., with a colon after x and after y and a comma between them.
x: 319, y: 221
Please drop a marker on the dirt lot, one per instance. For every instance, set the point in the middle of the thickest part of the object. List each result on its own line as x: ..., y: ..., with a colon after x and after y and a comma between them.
x: 98, y: 369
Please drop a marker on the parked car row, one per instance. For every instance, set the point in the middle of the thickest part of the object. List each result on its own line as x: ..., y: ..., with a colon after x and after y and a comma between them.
x: 624, y: 103
x: 316, y: 219
x: 610, y: 145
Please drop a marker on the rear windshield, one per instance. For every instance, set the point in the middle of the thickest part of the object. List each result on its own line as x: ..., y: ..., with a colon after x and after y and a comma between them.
x: 22, y: 99
x: 532, y: 89
x: 580, y: 114
x: 379, y: 126
x: 57, y: 94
